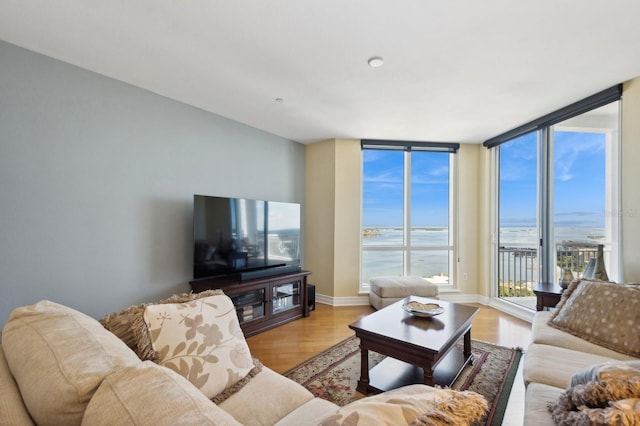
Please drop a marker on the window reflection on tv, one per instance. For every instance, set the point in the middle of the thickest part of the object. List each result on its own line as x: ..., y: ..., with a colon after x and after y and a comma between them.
x: 236, y: 234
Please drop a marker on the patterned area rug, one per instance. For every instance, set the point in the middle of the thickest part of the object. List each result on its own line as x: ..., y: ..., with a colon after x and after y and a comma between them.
x: 334, y: 373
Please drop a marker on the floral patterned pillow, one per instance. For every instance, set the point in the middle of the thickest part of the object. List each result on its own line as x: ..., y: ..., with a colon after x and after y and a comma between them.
x: 200, y: 340
x: 129, y: 325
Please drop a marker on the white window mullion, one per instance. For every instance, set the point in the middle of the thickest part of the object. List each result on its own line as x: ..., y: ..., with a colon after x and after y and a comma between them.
x: 407, y: 214
x: 612, y: 205
x: 546, y: 251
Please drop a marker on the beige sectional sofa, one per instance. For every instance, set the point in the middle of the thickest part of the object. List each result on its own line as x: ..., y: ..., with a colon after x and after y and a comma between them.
x: 60, y: 367
x: 557, y: 353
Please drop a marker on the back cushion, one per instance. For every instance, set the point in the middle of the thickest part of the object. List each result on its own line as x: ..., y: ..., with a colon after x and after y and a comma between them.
x: 606, y: 314
x: 149, y: 394
x: 58, y: 357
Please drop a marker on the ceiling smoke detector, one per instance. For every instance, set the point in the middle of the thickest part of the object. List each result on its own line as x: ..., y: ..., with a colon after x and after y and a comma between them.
x: 375, y: 62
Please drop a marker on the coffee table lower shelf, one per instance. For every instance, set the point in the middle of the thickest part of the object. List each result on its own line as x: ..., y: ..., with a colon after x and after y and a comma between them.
x: 392, y: 373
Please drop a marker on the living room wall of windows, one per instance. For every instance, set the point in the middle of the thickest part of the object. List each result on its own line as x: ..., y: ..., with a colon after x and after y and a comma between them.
x: 557, y: 200
x: 407, y: 211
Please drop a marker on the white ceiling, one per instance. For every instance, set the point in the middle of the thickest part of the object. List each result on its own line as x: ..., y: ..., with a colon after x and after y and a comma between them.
x: 454, y: 71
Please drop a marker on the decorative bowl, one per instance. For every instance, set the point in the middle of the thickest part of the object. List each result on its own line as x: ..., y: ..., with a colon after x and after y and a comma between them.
x: 423, y: 309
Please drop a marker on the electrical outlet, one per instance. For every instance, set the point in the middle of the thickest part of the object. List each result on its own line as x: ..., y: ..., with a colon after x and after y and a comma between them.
x: 465, y: 276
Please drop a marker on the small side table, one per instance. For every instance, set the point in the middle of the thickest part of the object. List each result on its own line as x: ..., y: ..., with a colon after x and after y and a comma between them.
x: 547, y: 295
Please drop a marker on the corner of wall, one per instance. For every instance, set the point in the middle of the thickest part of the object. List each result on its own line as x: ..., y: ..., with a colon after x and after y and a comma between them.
x: 319, y: 214
x: 332, y: 216
x: 469, y: 197
x: 348, y: 178
x: 630, y: 175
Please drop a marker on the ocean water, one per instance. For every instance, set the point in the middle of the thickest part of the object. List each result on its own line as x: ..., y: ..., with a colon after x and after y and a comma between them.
x: 434, y: 260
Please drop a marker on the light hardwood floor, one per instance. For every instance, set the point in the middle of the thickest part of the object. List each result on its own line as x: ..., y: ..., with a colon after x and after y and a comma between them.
x: 284, y: 347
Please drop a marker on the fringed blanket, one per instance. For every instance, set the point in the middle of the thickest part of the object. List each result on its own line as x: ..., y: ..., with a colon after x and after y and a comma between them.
x: 600, y: 402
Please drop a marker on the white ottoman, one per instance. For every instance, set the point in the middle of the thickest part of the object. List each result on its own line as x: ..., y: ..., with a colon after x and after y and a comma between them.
x: 387, y: 290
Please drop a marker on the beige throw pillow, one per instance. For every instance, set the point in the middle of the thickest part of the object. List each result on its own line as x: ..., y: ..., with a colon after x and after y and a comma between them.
x: 201, y: 340
x: 123, y: 323
x: 606, y: 314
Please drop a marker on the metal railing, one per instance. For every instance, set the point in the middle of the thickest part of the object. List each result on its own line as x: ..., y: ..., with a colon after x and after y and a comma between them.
x: 575, y: 256
x: 518, y: 266
x: 517, y: 271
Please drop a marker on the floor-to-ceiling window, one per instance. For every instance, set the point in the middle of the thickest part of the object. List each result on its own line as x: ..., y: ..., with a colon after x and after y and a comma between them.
x: 407, y: 208
x: 557, y: 196
x: 585, y: 191
x: 518, y: 236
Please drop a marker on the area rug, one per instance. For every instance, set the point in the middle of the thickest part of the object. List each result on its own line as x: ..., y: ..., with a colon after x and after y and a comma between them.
x: 334, y: 373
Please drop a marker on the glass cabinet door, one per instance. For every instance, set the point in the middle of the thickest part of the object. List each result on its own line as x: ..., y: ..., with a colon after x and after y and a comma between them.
x: 286, y: 296
x: 249, y: 305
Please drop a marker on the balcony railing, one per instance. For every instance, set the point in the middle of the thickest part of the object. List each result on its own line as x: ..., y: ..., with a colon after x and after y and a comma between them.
x: 518, y: 266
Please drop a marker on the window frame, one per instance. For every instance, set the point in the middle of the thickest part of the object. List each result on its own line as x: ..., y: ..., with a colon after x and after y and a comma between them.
x: 546, y: 126
x: 407, y: 248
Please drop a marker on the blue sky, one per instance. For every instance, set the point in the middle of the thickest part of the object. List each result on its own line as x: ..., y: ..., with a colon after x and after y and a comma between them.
x: 579, y: 170
x: 383, y: 188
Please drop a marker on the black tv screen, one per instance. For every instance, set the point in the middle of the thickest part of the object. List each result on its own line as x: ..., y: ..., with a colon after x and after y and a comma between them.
x: 246, y: 237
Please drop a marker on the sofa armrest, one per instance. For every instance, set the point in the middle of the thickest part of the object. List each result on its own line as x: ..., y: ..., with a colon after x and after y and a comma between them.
x: 538, y: 397
x: 12, y: 406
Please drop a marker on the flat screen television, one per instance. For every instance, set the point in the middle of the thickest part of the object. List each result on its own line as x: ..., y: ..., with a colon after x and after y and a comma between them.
x: 244, y: 238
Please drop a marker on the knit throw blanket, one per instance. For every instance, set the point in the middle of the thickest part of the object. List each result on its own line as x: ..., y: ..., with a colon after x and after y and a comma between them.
x: 599, y: 402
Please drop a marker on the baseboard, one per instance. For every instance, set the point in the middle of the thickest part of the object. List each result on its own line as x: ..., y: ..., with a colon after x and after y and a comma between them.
x: 509, y: 308
x: 342, y: 301
x: 512, y: 309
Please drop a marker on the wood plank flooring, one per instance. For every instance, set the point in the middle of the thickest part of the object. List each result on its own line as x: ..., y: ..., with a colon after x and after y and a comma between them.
x: 284, y: 347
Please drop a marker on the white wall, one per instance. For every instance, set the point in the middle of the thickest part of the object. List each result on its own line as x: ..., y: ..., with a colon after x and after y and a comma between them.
x: 97, y: 179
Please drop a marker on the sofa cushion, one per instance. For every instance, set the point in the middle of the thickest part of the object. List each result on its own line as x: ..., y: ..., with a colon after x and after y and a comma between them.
x: 58, y: 357
x: 121, y: 323
x: 543, y: 333
x: 537, y: 399
x: 554, y: 366
x: 311, y: 413
x: 413, y: 405
x: 149, y: 394
x: 201, y: 340
x: 272, y: 397
x: 601, y: 313
x: 11, y: 405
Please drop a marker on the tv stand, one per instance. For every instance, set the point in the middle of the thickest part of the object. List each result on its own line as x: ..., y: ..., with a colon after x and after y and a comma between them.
x: 263, y: 302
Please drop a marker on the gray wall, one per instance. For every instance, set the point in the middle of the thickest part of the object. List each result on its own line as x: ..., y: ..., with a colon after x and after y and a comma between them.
x: 97, y: 179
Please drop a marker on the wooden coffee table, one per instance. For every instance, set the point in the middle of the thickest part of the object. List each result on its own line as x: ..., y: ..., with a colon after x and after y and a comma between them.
x: 419, y: 350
